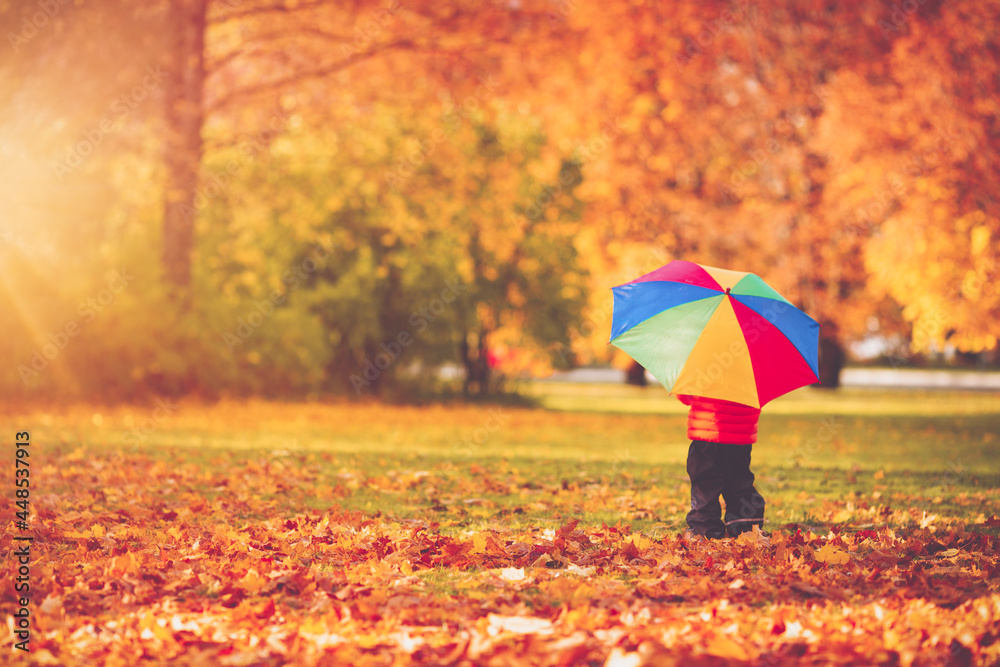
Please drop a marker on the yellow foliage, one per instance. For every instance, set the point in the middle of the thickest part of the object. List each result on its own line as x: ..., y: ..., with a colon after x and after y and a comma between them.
x: 980, y: 239
x: 832, y: 555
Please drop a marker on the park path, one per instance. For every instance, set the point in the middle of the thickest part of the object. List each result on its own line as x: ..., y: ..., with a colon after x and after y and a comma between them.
x: 913, y: 378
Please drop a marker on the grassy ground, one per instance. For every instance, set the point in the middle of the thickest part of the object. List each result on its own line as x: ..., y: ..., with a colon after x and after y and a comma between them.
x: 481, y: 482
x: 909, y: 451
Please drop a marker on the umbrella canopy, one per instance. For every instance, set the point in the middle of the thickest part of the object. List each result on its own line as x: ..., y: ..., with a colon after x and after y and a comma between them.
x: 715, y: 333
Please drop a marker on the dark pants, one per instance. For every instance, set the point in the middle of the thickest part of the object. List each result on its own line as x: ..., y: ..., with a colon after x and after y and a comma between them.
x: 716, y: 469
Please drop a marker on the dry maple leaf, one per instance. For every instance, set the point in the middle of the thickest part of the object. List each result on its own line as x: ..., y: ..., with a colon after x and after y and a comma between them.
x: 832, y: 555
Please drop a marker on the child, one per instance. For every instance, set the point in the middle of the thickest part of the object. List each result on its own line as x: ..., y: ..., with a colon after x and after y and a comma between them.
x: 722, y: 435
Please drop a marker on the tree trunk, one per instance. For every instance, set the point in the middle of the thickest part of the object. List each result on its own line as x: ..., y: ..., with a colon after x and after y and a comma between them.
x: 183, y: 146
x: 477, y: 367
x: 831, y: 361
x: 636, y: 375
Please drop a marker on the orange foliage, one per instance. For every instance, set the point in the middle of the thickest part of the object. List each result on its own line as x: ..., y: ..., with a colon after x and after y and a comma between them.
x: 912, y: 139
x: 769, y: 138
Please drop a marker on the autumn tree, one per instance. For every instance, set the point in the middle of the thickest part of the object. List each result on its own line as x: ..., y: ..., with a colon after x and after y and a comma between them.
x: 226, y: 77
x: 231, y: 64
x: 778, y: 138
x: 914, y: 148
x: 289, y: 54
x: 407, y: 242
x: 714, y: 161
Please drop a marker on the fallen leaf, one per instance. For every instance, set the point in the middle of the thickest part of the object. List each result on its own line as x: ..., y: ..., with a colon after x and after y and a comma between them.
x: 620, y: 658
x: 832, y: 555
x: 479, y: 543
x: 842, y: 516
x: 754, y: 537
x: 519, y: 625
x: 724, y: 647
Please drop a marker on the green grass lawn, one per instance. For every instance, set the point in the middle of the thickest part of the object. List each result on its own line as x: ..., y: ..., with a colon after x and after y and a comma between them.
x: 600, y: 453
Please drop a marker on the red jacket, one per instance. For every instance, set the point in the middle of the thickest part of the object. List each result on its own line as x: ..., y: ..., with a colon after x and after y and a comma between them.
x: 715, y: 420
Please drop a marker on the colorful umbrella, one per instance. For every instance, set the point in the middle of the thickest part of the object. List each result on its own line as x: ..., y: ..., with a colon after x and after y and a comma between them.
x: 715, y: 333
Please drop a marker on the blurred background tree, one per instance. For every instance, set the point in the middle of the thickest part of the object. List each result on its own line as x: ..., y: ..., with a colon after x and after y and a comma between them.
x: 410, y: 241
x: 917, y: 180
x: 260, y: 197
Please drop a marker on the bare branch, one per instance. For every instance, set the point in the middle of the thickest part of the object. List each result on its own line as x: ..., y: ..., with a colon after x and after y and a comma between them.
x: 319, y: 72
x: 265, y: 9
x: 275, y: 35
